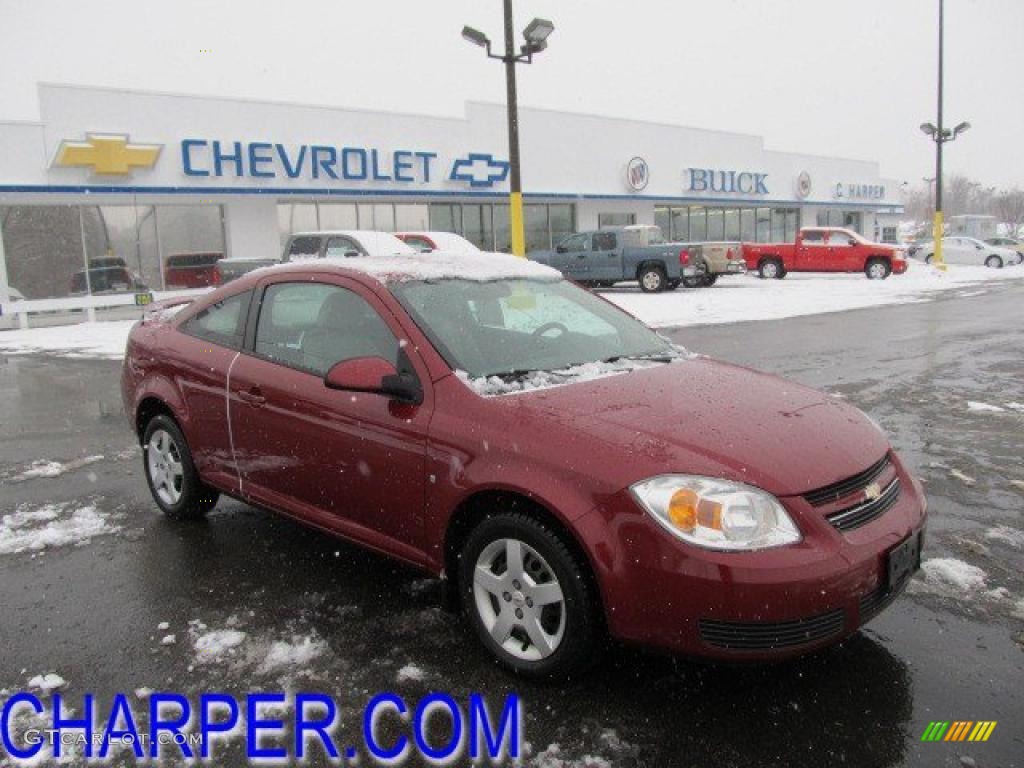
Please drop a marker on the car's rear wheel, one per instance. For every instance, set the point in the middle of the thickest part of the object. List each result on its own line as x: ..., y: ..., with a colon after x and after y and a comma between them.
x: 170, y: 472
x: 877, y: 269
x: 710, y: 280
x: 994, y: 262
x: 652, y: 279
x: 528, y: 598
x: 771, y: 269
x: 928, y: 258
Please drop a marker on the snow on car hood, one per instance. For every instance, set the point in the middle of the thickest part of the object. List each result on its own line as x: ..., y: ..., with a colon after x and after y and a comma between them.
x: 446, y: 265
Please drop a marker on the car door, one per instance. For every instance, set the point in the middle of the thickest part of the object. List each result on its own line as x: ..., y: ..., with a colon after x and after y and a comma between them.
x: 341, y: 247
x: 605, y: 257
x: 199, y: 359
x: 570, y: 251
x: 813, y: 251
x: 345, y: 461
x: 955, y: 250
x: 843, y: 253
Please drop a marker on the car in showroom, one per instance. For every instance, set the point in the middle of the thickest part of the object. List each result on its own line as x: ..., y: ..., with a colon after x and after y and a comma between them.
x: 106, y: 274
x: 963, y: 250
x: 824, y: 249
x: 552, y: 458
x: 437, y: 241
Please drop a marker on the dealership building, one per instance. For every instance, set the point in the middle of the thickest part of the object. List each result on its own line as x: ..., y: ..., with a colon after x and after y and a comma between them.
x: 142, y: 177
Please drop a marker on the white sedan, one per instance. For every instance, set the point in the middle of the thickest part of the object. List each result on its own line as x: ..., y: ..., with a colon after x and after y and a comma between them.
x: 958, y: 249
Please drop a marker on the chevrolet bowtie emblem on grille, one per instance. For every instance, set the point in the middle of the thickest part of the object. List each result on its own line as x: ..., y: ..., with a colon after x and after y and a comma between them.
x: 872, y: 492
x: 107, y: 154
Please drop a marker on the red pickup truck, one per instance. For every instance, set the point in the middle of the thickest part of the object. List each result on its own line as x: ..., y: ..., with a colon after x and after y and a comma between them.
x: 824, y: 249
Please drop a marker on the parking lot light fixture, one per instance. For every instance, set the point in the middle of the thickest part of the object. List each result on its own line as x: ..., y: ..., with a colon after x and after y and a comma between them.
x: 536, y: 35
x: 476, y: 37
x: 926, y: 128
x: 960, y: 128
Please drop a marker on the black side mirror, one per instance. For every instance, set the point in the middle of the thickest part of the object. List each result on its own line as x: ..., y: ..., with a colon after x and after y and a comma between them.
x: 851, y: 241
x: 402, y: 386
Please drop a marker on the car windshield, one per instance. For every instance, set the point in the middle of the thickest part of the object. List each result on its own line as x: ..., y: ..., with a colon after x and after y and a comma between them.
x: 514, y: 327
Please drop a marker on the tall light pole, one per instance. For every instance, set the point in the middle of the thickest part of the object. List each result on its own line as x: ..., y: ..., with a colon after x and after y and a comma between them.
x: 536, y: 35
x: 940, y: 136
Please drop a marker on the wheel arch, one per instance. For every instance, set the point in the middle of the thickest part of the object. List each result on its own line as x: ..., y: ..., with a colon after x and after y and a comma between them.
x: 159, y: 397
x: 476, y: 508
x: 656, y: 263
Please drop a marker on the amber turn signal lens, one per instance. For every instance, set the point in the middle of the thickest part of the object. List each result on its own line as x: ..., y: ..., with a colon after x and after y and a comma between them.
x: 682, y: 509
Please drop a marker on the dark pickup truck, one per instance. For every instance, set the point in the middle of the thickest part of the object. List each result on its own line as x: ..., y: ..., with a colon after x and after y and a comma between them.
x: 607, y: 256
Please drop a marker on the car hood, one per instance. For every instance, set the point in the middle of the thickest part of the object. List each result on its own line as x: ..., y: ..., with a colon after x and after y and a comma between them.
x: 705, y: 417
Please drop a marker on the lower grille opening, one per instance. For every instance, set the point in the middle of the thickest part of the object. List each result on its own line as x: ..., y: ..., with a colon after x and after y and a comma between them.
x: 875, y: 602
x: 756, y: 636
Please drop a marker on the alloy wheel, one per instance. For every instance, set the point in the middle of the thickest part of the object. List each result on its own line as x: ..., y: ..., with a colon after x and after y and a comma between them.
x: 519, y: 600
x: 166, y: 472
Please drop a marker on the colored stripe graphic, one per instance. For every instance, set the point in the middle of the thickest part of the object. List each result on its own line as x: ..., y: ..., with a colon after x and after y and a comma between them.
x: 958, y: 730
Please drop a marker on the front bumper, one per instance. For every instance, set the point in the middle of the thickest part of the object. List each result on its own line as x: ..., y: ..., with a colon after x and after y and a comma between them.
x: 763, y: 605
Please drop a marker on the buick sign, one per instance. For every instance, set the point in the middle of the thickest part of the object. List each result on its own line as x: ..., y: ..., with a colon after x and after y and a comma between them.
x: 637, y: 174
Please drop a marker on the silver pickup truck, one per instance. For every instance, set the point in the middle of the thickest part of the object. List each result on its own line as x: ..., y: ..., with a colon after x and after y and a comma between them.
x: 607, y: 256
x: 319, y: 245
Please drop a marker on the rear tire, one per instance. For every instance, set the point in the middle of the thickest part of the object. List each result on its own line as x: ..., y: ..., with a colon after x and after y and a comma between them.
x: 994, y: 262
x: 693, y: 282
x: 928, y: 258
x: 710, y: 280
x: 170, y: 472
x: 771, y: 269
x: 652, y: 279
x: 508, y: 565
x: 877, y: 269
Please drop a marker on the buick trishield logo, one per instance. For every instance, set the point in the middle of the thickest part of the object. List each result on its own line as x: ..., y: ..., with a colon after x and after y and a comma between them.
x: 637, y: 174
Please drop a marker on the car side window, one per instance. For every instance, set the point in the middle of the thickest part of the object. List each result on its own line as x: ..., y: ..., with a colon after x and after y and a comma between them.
x: 305, y: 246
x: 604, y: 241
x: 313, y: 326
x: 839, y: 239
x: 814, y: 238
x: 575, y: 243
x: 222, y: 323
x: 339, y: 247
x: 421, y: 244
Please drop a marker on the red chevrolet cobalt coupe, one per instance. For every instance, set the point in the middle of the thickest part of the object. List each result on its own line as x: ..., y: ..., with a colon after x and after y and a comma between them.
x: 572, y: 472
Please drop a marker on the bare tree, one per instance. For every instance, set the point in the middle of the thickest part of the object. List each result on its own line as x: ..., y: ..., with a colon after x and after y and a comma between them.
x: 1008, y: 207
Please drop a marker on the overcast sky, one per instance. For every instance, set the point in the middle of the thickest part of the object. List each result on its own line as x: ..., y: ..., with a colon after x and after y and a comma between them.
x: 836, y: 77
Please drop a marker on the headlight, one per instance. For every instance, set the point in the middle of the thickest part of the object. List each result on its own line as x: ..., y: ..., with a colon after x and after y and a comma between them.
x: 716, y: 514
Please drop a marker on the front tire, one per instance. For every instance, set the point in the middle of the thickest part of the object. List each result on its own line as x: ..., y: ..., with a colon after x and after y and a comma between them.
x: 527, y: 597
x: 652, y: 279
x: 877, y: 269
x: 994, y: 262
x: 170, y: 472
x: 771, y: 269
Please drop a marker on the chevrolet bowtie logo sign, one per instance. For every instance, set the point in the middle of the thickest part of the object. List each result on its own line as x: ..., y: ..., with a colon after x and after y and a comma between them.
x: 107, y: 154
x: 480, y: 170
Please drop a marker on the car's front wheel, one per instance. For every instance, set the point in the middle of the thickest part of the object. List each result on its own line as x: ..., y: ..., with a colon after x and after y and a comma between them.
x: 527, y: 597
x: 771, y: 269
x: 877, y: 269
x: 652, y: 279
x: 170, y: 472
x: 994, y: 262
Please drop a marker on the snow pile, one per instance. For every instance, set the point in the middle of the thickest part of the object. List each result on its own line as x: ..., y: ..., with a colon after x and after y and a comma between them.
x: 552, y: 757
x: 287, y: 656
x: 17, y: 534
x: 48, y: 682
x: 214, y: 645
x: 973, y: 405
x: 410, y: 672
x: 747, y: 297
x: 49, y: 468
x: 1006, y: 535
x: 103, y: 340
x: 489, y: 386
x: 445, y: 265
x: 946, y: 575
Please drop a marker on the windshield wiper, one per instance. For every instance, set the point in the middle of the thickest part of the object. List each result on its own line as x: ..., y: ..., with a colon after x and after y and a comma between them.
x: 657, y: 358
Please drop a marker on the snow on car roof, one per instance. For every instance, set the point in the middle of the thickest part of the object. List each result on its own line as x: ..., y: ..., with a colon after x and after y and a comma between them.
x: 444, y: 265
x: 448, y: 241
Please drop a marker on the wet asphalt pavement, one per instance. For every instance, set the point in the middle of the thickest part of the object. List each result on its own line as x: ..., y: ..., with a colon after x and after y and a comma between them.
x: 91, y: 612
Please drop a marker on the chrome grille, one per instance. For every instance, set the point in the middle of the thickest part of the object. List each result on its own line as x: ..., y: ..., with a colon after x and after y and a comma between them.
x: 865, y: 512
x: 836, y: 491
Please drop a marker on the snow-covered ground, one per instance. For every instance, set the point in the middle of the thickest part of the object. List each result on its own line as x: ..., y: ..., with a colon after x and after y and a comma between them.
x: 747, y: 297
x: 732, y: 300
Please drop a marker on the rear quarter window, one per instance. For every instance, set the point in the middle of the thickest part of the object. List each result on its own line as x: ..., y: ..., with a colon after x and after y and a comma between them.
x: 222, y: 323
